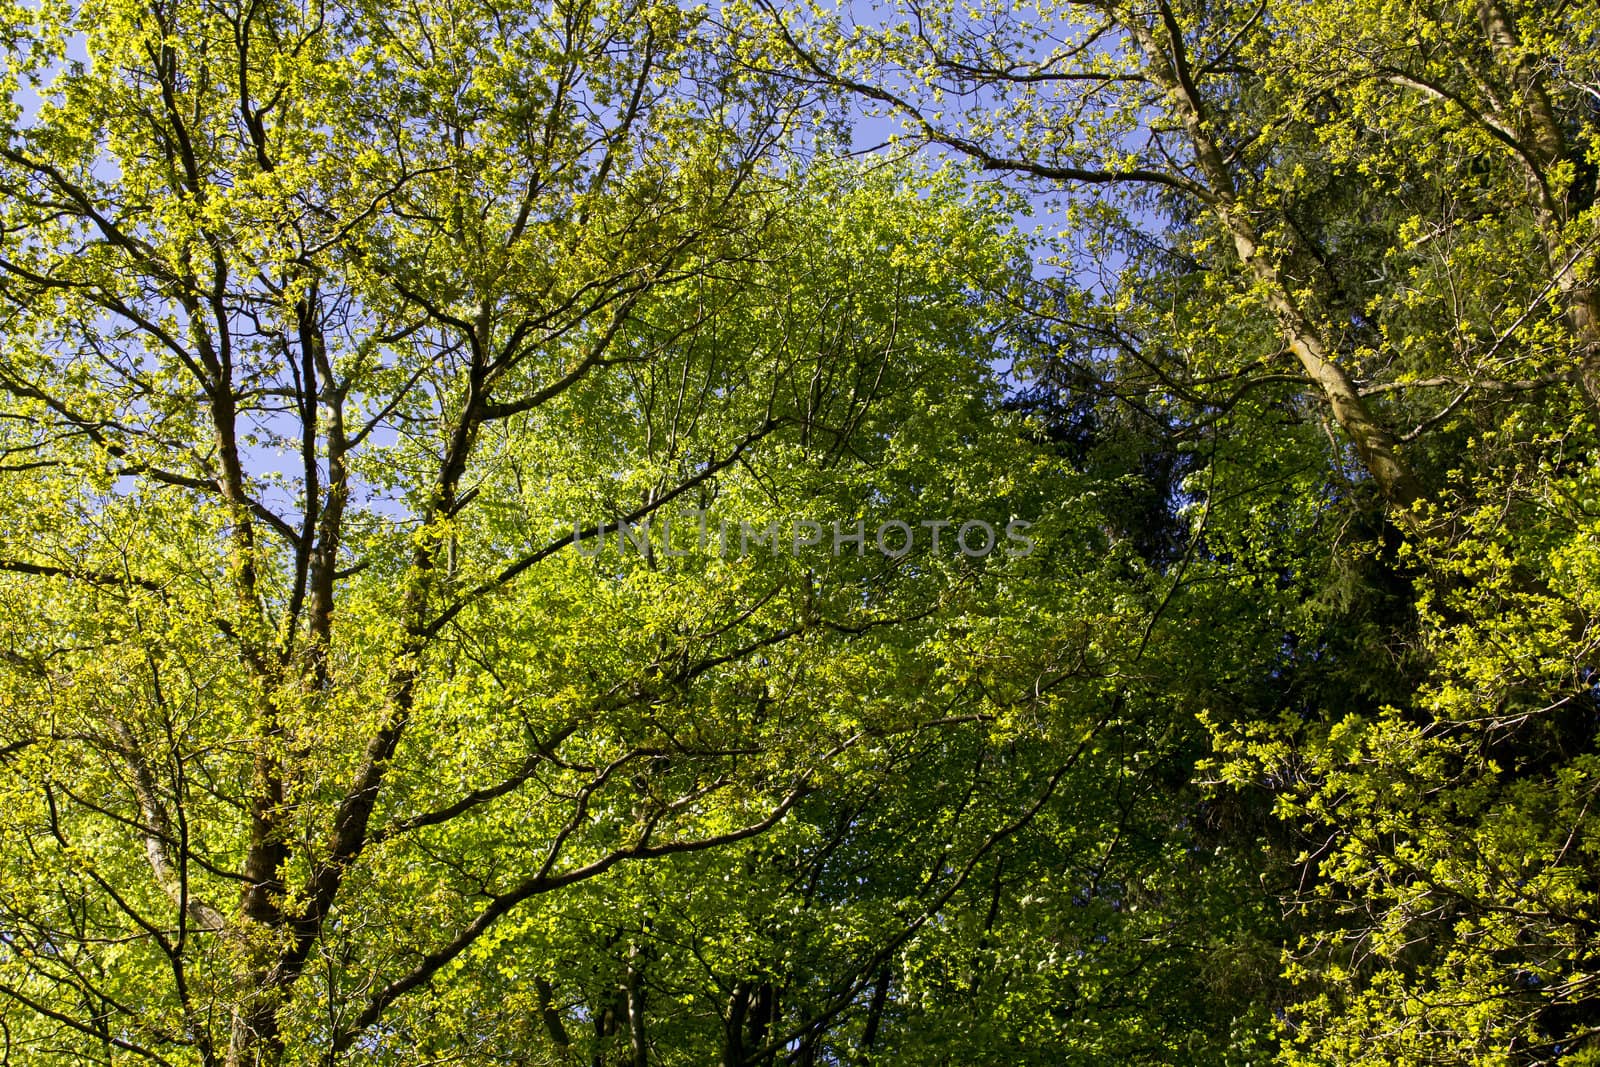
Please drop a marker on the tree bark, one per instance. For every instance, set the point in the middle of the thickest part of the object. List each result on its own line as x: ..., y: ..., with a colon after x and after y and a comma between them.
x: 1541, y: 147
x: 1164, y: 50
x: 638, y: 1049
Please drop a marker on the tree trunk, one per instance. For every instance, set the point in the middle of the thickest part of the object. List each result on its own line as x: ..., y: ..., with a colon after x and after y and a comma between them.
x: 1376, y: 446
x: 1542, y: 146
x: 637, y: 1048
x: 733, y: 1026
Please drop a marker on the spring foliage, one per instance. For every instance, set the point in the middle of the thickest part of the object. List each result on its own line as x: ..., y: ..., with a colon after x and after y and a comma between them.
x: 446, y: 613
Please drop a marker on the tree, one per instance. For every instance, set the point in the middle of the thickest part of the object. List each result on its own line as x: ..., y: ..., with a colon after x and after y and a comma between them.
x: 485, y: 549
x: 1406, y: 194
x: 1126, y: 99
x: 338, y: 340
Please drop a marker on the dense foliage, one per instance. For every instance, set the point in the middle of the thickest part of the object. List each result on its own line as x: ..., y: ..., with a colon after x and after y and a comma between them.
x: 488, y: 494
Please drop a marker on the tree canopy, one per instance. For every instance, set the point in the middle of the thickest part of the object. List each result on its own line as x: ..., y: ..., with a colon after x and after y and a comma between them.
x: 527, y: 539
